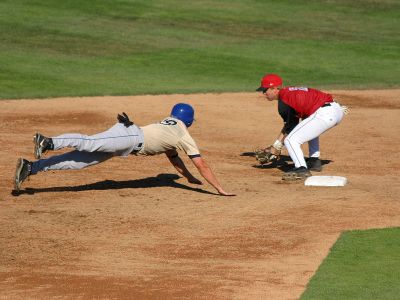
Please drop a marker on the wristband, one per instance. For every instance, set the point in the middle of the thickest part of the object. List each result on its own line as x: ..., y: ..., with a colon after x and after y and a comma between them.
x: 277, y: 145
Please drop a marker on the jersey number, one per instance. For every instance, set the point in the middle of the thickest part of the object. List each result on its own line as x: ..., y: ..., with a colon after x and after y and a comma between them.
x: 168, y: 122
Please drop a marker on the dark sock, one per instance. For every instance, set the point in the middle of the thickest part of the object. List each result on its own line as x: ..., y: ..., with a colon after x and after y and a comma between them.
x: 50, y: 145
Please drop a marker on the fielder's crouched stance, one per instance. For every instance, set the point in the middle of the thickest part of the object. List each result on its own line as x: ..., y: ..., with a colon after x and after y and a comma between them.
x: 122, y: 139
x: 318, y: 113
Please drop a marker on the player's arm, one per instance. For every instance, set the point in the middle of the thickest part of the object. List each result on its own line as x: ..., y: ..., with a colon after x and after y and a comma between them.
x: 290, y: 120
x: 282, y: 135
x: 179, y: 165
x: 208, y: 174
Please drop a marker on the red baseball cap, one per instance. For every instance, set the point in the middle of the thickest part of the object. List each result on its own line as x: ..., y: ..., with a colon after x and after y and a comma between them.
x: 268, y: 81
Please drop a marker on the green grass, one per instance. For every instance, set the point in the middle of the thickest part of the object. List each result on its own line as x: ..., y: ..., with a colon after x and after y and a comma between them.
x: 122, y: 47
x: 361, y: 265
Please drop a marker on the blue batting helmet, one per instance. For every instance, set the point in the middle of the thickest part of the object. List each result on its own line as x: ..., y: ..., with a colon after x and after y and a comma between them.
x: 183, y: 112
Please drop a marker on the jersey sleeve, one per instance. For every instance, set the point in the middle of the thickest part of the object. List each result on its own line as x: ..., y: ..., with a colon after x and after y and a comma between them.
x: 188, y: 145
x: 288, y: 115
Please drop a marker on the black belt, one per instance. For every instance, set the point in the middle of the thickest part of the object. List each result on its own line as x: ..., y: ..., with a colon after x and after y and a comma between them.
x: 327, y: 104
x: 138, y: 148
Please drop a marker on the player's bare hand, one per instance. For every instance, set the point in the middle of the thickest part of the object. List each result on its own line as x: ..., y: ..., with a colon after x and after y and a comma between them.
x: 194, y: 181
x: 223, y: 193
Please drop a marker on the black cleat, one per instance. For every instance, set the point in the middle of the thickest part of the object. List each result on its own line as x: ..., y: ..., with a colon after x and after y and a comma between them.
x: 314, y: 164
x: 22, y: 172
x: 296, y: 174
x: 42, y: 144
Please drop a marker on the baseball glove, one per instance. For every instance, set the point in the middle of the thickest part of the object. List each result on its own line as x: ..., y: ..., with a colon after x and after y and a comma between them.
x: 124, y: 119
x: 264, y: 156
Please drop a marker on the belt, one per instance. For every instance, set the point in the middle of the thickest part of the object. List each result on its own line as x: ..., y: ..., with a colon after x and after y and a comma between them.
x: 137, y: 149
x: 327, y: 104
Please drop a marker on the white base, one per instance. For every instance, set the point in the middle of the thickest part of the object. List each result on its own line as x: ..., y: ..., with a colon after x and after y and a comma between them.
x: 325, y: 181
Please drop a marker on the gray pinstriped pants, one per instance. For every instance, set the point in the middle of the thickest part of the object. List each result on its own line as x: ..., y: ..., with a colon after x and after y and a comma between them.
x: 90, y: 150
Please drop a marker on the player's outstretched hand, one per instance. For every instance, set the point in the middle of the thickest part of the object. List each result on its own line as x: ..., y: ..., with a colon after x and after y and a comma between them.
x: 223, y: 193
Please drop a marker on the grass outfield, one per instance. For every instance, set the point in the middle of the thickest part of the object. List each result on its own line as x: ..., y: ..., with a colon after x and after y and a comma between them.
x: 123, y: 47
x: 361, y: 265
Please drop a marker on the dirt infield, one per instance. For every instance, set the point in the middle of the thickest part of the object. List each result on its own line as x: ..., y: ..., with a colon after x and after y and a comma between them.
x: 131, y: 228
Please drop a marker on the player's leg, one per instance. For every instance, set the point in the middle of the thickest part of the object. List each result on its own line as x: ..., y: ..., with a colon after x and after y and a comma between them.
x: 309, y: 130
x: 118, y: 139
x: 313, y: 148
x: 305, y: 131
x: 313, y: 161
x: 73, y: 160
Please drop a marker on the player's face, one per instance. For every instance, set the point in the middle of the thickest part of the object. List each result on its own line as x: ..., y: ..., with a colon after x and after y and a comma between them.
x: 271, y: 93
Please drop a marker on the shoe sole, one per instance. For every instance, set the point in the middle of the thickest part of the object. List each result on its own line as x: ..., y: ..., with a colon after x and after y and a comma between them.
x: 17, y: 182
x: 36, y: 152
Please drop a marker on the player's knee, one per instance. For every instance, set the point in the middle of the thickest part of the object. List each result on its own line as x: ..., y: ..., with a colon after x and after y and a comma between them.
x: 288, y: 141
x: 293, y: 140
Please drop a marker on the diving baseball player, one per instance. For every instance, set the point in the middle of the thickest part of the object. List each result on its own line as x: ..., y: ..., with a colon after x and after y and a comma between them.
x: 317, y: 111
x: 124, y: 138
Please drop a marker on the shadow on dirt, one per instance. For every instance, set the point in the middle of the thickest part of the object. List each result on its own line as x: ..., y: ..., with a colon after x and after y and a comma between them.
x: 161, y: 180
x: 284, y: 163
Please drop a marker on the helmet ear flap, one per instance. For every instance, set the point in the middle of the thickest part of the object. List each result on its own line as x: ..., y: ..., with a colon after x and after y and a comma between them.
x: 183, y: 112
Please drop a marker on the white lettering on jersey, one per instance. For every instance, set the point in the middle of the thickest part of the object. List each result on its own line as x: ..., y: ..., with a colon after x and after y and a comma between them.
x: 298, y: 88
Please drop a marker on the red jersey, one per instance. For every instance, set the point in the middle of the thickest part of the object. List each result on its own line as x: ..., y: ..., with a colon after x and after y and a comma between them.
x: 303, y: 100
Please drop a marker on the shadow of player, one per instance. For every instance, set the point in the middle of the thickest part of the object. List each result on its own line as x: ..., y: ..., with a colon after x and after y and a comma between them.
x: 284, y: 163
x: 161, y: 180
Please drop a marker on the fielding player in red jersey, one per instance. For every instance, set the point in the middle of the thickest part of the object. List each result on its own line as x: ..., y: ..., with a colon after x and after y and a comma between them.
x: 306, y: 113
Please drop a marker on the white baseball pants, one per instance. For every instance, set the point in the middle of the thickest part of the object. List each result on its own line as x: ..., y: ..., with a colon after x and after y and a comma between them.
x: 90, y: 150
x: 309, y: 131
